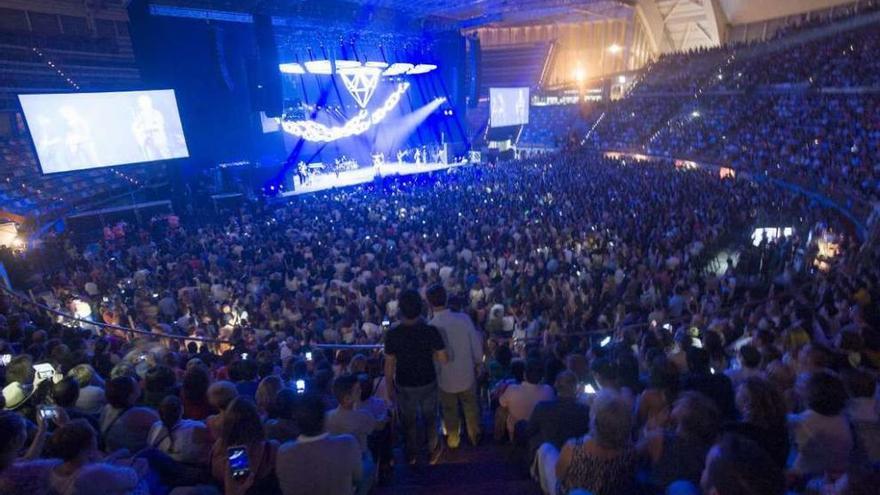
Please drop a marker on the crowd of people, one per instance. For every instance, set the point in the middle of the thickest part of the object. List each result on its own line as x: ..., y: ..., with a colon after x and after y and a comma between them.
x: 289, y: 347
x: 568, y: 290
x: 804, y: 113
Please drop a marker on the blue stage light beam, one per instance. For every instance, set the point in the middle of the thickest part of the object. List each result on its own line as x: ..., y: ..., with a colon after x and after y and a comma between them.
x: 390, y: 137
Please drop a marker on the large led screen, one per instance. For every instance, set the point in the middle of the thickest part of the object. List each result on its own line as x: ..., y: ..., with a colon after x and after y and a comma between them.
x: 509, y: 106
x: 78, y: 131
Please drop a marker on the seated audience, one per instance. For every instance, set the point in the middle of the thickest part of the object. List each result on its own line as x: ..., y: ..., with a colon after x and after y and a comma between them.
x: 242, y: 427
x: 318, y: 462
x: 267, y: 391
x: 822, y: 433
x: 863, y: 413
x: 678, y: 454
x: 603, y: 462
x: 91, y: 397
x: 520, y: 399
x: 763, y: 418
x: 737, y: 466
x: 558, y: 420
x: 23, y: 472
x: 194, y: 392
x: 123, y: 424
x: 65, y: 394
x: 76, y: 446
x: 709, y: 382
x: 220, y: 395
x: 281, y: 426
x: 346, y: 419
x: 185, y: 440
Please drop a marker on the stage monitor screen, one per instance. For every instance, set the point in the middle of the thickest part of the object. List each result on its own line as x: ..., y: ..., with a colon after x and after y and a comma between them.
x: 509, y: 106
x: 79, y: 131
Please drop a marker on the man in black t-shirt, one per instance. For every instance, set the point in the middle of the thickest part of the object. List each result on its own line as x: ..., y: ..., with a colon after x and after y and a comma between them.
x: 411, y: 347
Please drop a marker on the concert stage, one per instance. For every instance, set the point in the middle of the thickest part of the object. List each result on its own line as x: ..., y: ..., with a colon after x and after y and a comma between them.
x: 364, y: 175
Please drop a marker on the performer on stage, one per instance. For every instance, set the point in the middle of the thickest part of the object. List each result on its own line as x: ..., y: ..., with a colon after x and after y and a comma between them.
x: 302, y: 172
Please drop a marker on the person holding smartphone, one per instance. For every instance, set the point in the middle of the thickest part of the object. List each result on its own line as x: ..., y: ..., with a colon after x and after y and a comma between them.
x: 27, y: 473
x: 243, y: 449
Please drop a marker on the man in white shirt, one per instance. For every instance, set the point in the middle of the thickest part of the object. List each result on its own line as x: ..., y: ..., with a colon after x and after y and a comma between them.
x: 457, y: 378
x: 520, y: 399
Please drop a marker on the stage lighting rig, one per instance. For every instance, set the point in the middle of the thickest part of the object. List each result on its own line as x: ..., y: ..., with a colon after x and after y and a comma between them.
x: 311, y: 130
x: 361, y: 79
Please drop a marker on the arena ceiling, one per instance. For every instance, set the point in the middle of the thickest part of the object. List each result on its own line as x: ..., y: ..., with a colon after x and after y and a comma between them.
x: 474, y: 9
x: 734, y: 11
x: 522, y: 11
x: 671, y: 24
x: 674, y: 24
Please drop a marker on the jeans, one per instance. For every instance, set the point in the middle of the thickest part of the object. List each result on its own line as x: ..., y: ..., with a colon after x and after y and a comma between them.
x: 412, y: 401
x: 369, y: 475
x: 451, y: 419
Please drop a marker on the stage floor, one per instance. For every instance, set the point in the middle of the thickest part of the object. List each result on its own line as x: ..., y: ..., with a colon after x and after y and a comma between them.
x: 363, y: 175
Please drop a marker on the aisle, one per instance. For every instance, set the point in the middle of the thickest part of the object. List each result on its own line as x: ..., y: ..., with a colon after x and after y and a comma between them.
x: 484, y: 470
x: 487, y: 469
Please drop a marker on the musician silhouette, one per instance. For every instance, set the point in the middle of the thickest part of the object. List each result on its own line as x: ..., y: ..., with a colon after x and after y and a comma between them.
x: 148, y: 128
x: 78, y: 139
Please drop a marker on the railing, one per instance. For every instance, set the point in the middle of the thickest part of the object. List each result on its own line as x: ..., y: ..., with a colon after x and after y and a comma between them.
x: 23, y: 300
x: 131, y: 332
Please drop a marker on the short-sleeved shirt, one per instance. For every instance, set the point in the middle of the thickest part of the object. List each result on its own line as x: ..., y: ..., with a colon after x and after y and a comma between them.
x: 414, y: 347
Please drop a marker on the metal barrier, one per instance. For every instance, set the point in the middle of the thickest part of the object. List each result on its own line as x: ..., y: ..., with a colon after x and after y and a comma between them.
x: 23, y: 300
